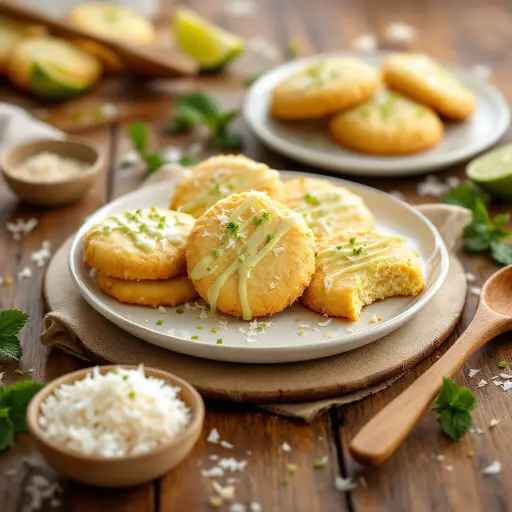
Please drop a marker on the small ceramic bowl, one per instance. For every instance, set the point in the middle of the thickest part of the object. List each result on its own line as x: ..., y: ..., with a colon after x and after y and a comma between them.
x: 120, y: 471
x: 55, y: 192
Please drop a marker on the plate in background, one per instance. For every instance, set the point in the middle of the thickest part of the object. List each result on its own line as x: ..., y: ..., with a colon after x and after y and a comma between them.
x: 309, y: 142
x: 280, y: 342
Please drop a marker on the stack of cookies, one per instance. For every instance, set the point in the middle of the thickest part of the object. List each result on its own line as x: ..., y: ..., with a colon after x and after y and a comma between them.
x: 251, y: 246
x: 389, y: 112
x: 139, y: 256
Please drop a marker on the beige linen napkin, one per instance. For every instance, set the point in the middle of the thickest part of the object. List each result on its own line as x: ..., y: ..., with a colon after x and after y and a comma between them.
x: 17, y: 125
x: 76, y: 328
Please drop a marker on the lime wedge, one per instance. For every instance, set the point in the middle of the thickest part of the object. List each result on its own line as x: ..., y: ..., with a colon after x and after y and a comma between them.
x: 493, y: 171
x: 210, y: 46
x: 51, y: 86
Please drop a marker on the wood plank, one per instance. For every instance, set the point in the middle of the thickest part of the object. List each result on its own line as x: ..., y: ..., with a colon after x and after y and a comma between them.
x: 258, y: 438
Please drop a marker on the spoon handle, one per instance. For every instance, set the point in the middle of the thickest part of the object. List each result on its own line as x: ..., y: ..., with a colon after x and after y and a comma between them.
x: 384, y: 433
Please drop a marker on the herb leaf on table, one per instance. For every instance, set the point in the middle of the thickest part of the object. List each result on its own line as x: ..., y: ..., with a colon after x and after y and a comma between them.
x: 139, y: 135
x: 199, y: 108
x: 482, y: 234
x: 454, y: 405
x: 13, y: 408
x: 11, y: 323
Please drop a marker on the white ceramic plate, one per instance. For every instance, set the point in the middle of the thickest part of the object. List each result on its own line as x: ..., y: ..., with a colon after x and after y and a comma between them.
x: 279, y: 342
x: 309, y: 142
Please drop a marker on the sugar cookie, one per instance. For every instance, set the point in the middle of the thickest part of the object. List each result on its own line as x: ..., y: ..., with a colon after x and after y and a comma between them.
x: 387, y: 124
x: 220, y: 176
x: 166, y: 292
x: 324, y: 87
x: 327, y: 208
x: 356, y: 269
x: 428, y: 82
x: 147, y: 243
x: 250, y: 256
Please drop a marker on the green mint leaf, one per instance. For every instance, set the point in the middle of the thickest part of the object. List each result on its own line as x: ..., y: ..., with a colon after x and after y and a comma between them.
x: 153, y: 161
x: 480, y: 213
x: 477, y: 237
x: 465, y: 400
x: 447, y: 394
x: 225, y: 118
x: 6, y: 430
x: 227, y: 140
x: 177, y: 125
x: 463, y: 195
x: 455, y: 423
x: 187, y: 160
x: 10, y: 347
x: 139, y: 136
x: 200, y: 102
x: 501, y: 252
x: 454, y: 404
x: 16, y: 399
x: 12, y: 321
x: 501, y: 220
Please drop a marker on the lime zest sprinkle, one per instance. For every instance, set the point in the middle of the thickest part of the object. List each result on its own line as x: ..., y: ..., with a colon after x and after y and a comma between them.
x: 159, y: 322
x: 214, y: 329
x: 195, y: 338
x: 179, y: 311
x: 219, y: 341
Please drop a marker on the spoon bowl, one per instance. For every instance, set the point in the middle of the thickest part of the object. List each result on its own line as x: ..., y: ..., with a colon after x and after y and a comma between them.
x: 497, y: 292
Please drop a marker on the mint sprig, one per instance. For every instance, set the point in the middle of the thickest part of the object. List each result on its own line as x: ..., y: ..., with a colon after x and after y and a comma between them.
x: 483, y: 234
x: 11, y: 323
x: 199, y: 108
x: 454, y: 405
x: 13, y: 408
x: 139, y: 135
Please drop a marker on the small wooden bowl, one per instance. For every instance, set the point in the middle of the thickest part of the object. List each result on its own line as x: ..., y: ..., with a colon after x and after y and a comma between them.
x: 55, y: 192
x: 120, y: 471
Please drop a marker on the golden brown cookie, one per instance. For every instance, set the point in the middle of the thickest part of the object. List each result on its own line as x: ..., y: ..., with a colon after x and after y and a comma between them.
x: 387, y: 124
x: 327, y: 208
x: 220, y: 176
x: 426, y: 81
x: 325, y: 87
x: 250, y: 256
x: 356, y: 269
x: 143, y: 244
x: 167, y: 292
x: 113, y: 22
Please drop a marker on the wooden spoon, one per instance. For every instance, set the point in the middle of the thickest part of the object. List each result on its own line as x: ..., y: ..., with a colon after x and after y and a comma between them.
x: 146, y: 60
x: 384, y: 433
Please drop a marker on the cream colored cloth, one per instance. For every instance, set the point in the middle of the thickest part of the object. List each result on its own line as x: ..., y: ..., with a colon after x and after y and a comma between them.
x: 17, y: 125
x: 73, y: 326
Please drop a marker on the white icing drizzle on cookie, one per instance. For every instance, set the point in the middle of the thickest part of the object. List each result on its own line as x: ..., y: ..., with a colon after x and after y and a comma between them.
x: 361, y: 251
x: 323, y: 209
x: 225, y: 182
x: 145, y: 227
x: 269, y: 227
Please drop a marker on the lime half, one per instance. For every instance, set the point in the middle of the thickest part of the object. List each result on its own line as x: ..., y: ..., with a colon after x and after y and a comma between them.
x: 210, y: 46
x: 493, y: 171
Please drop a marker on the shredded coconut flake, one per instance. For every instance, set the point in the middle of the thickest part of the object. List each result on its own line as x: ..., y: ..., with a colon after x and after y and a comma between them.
x: 482, y: 71
x: 25, y: 273
x: 470, y: 277
x: 493, y: 468
x: 212, y: 472
x: 366, y: 43
x: 344, y: 484
x: 162, y: 310
x: 475, y: 290
x: 472, y: 372
x: 119, y: 413
x: 240, y: 8
x: 226, y: 493
x: 400, y: 33
x: 213, y: 436
x: 324, y: 324
x: 482, y: 383
x: 203, y: 315
x: 263, y: 47
x: 433, y: 186
x: 286, y: 447
x: 278, y: 250
x: 225, y: 444
x: 493, y: 423
x: 232, y: 464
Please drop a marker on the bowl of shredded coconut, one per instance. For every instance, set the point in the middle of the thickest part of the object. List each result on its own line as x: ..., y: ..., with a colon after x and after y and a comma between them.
x: 116, y: 426
x: 51, y: 172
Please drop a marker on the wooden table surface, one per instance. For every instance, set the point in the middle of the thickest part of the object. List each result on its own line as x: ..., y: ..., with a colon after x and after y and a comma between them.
x: 468, y: 33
